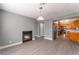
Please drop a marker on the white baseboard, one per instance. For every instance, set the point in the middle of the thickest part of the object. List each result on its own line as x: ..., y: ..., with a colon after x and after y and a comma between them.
x: 37, y: 36
x: 33, y: 38
x: 10, y: 45
x: 47, y: 38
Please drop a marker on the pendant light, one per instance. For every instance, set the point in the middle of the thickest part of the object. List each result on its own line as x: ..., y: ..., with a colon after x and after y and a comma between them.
x: 41, y: 18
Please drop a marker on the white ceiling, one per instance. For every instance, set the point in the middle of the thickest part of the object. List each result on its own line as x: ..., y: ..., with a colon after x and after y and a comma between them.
x: 51, y: 10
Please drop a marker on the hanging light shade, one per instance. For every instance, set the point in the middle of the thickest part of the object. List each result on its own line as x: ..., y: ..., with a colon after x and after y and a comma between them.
x: 40, y: 18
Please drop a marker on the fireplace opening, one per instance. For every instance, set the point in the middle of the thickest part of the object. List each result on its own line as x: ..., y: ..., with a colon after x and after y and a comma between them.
x: 27, y: 36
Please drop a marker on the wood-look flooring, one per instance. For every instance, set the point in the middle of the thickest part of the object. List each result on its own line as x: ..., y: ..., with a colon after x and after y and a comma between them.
x: 60, y: 46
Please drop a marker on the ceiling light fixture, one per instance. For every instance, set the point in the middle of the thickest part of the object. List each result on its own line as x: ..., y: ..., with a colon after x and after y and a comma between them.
x: 41, y: 18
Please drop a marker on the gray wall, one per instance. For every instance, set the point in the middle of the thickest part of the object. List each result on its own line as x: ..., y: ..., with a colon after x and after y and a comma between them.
x: 40, y: 29
x: 12, y: 25
x: 1, y: 40
x: 48, y: 29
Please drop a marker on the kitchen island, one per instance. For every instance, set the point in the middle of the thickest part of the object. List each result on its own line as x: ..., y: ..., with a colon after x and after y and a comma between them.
x: 73, y: 35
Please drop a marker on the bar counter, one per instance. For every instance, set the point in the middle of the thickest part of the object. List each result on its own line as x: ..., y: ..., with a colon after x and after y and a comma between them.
x: 73, y: 35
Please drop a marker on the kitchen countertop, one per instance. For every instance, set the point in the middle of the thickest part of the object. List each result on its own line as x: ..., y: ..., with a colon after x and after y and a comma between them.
x: 72, y: 30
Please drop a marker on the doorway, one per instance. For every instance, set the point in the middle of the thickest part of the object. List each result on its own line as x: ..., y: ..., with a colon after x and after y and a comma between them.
x: 61, y: 27
x: 54, y: 30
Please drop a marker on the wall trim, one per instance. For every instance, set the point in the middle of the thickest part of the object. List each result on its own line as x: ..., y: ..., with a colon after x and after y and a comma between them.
x: 33, y: 38
x: 10, y: 45
x: 47, y: 38
x: 37, y: 36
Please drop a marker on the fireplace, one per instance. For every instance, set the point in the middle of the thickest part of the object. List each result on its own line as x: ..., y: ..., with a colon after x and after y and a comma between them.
x: 27, y: 36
